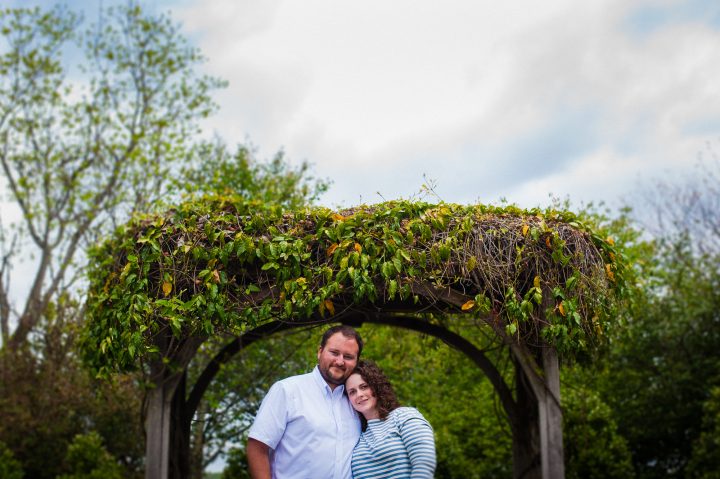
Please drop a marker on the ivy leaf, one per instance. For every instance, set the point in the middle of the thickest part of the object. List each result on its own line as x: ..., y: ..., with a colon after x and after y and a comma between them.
x: 471, y: 263
x: 392, y: 289
x: 561, y: 308
x: 397, y: 263
x: 332, y: 249
x: 166, y: 288
x: 357, y: 247
x: 525, y: 229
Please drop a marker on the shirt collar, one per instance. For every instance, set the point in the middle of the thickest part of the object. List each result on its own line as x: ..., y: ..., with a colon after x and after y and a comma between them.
x: 323, y: 385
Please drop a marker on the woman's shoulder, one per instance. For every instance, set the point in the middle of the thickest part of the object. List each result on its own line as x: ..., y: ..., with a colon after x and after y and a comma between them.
x: 405, y: 413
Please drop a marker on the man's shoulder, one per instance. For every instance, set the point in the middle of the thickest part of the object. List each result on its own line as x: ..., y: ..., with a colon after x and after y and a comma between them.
x: 294, y: 381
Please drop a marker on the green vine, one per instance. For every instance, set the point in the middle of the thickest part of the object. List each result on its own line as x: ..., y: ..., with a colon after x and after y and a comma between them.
x: 222, y: 265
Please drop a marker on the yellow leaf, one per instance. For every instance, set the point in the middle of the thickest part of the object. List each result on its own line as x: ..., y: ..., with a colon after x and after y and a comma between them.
x: 610, y: 240
x: 561, y: 308
x: 609, y: 271
x: 358, y: 248
x: 468, y: 305
x: 612, y: 256
x: 525, y: 229
x: 216, y: 276
x: 536, y: 281
x: 330, y: 307
x: 338, y: 217
x: 332, y: 249
x: 167, y: 288
x: 547, y: 242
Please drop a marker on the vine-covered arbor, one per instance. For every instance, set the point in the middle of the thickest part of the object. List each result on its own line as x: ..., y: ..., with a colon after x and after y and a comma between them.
x: 543, y: 281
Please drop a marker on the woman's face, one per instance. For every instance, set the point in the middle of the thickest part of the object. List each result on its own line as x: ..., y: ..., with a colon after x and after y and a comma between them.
x: 361, y: 397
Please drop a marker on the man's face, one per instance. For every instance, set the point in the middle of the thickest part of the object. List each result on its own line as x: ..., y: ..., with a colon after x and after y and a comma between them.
x: 337, y: 359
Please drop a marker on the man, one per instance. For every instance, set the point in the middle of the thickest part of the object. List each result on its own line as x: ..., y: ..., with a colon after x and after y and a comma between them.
x: 305, y: 427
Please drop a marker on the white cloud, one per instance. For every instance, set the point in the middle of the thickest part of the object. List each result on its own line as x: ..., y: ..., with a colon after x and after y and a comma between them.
x: 488, y: 98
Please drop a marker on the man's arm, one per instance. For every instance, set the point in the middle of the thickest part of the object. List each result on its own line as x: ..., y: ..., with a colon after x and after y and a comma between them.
x: 258, y: 457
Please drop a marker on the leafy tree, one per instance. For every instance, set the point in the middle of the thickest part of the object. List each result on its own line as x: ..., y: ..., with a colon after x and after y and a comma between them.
x: 87, y: 458
x: 47, y: 398
x: 237, y: 467
x: 705, y: 460
x: 10, y: 468
x: 83, y: 147
x: 82, y: 151
x: 665, y: 364
x: 216, y: 170
x: 593, y: 446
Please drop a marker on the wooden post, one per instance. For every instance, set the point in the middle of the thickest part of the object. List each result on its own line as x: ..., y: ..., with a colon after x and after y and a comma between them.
x: 551, y: 419
x: 157, y: 423
x: 166, y: 376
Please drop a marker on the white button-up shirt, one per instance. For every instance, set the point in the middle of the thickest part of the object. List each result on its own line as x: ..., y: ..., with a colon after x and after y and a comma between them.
x: 311, y: 429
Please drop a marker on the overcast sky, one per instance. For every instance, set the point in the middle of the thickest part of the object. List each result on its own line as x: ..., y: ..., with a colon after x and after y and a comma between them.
x: 487, y: 99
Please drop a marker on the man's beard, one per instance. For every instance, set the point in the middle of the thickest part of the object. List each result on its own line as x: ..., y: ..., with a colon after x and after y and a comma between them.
x: 332, y: 380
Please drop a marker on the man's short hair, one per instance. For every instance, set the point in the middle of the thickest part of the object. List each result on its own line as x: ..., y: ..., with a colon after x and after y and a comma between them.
x: 345, y: 330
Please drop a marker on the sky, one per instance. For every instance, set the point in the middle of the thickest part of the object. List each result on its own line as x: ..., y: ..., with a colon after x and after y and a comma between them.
x: 483, y: 100
x: 486, y: 100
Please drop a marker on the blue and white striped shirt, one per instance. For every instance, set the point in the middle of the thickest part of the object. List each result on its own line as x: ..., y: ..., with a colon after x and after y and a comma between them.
x: 399, y: 447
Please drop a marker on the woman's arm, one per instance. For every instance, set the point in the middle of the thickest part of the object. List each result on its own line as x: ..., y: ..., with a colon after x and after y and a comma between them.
x: 417, y: 435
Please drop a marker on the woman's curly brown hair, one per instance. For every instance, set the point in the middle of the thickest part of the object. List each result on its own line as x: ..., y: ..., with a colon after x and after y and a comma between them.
x: 381, y: 388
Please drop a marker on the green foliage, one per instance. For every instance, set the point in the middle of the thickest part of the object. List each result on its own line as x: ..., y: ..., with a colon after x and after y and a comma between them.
x: 236, y: 467
x: 217, y: 171
x: 705, y: 460
x: 592, y: 445
x: 87, y: 458
x: 664, y: 363
x: 10, y: 468
x: 47, y: 398
x: 224, y: 264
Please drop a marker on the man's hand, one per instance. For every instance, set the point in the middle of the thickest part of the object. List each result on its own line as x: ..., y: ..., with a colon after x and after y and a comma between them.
x: 258, y: 457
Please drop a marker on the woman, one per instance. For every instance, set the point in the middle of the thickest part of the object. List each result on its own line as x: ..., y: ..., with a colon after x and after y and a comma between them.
x: 396, y: 442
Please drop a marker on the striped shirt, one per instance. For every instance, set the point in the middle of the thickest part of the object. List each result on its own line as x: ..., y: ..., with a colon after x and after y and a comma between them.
x: 401, y: 446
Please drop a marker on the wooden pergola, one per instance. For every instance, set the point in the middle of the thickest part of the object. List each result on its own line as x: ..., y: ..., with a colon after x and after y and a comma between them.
x: 543, y: 282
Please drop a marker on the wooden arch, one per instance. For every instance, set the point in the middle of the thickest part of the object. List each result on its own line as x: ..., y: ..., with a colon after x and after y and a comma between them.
x: 543, y: 281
